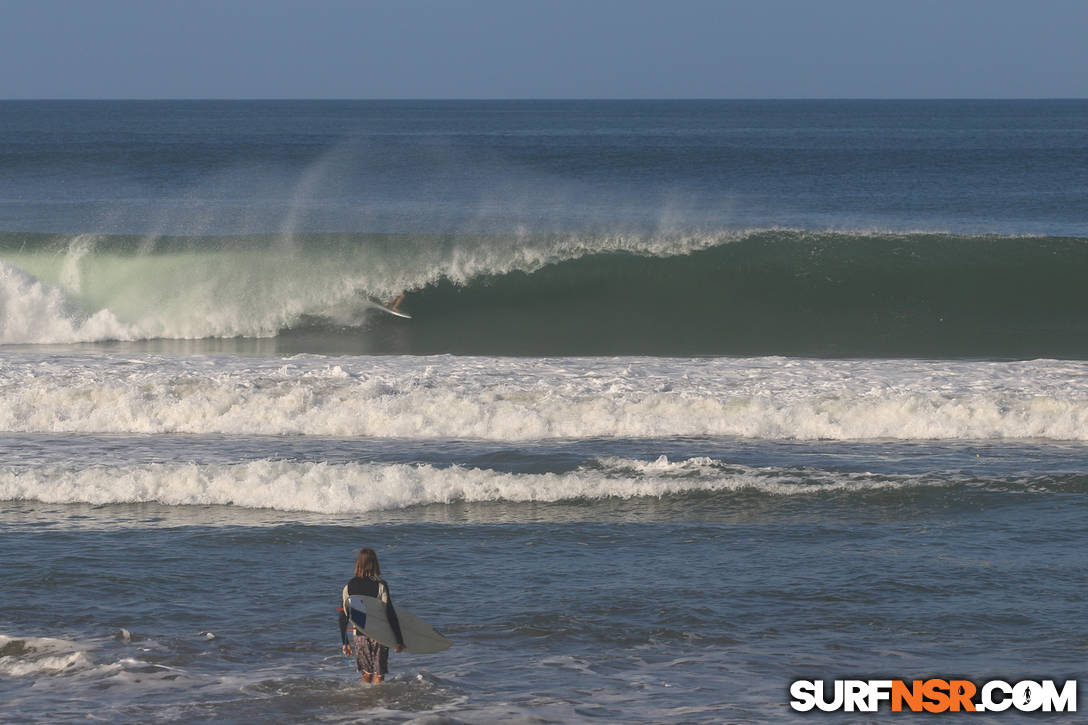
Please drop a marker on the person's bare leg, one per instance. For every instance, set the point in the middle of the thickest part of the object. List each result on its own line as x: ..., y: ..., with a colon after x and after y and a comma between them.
x: 395, y: 304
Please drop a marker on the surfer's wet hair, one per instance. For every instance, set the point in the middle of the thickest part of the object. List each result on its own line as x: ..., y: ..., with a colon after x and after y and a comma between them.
x: 366, y: 564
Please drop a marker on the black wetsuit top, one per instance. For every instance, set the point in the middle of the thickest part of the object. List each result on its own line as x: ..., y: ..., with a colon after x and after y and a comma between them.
x: 369, y: 587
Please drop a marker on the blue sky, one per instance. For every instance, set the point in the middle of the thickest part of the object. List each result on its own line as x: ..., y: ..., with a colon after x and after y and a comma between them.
x: 543, y: 49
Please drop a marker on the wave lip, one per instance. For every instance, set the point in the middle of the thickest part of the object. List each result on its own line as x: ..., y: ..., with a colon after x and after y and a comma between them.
x: 526, y: 399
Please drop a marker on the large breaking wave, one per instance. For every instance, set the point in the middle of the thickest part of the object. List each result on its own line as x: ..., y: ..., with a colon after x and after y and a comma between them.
x: 755, y: 292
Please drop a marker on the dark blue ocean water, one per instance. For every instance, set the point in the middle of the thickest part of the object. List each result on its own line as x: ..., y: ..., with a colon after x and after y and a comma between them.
x: 697, y: 398
x: 960, y: 166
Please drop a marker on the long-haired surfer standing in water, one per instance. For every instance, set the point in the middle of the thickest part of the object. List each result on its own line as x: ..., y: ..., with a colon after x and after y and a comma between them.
x: 371, y: 657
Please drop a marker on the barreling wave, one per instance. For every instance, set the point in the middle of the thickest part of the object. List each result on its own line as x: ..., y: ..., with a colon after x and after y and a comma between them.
x: 364, y: 487
x: 758, y: 292
x: 514, y: 399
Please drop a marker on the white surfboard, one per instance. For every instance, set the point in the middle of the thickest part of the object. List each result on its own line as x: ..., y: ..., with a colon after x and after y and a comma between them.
x: 389, y: 310
x: 367, y: 614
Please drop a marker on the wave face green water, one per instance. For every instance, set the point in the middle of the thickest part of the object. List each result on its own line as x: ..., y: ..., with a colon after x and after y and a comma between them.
x: 782, y: 293
x: 786, y: 292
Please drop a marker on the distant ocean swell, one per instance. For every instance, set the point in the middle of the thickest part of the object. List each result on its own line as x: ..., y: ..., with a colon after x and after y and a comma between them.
x: 753, y: 292
x: 361, y: 487
x: 511, y: 399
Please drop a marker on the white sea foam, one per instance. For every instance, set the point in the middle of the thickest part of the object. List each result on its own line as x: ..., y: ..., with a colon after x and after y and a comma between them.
x: 361, y: 487
x: 32, y: 311
x: 14, y: 667
x: 35, y: 656
x: 86, y: 667
x: 523, y: 399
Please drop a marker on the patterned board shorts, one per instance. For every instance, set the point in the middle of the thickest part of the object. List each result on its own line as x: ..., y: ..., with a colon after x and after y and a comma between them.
x: 371, y: 656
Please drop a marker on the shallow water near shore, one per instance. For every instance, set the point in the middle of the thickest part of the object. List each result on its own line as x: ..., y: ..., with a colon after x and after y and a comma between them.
x: 676, y: 579
x: 681, y: 607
